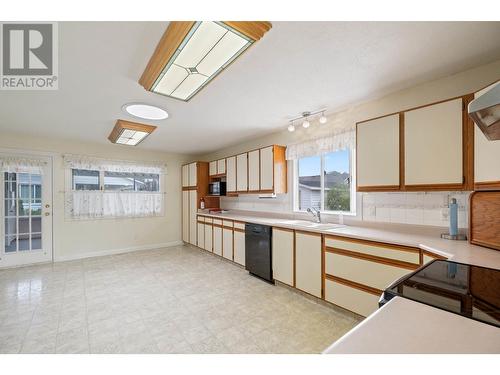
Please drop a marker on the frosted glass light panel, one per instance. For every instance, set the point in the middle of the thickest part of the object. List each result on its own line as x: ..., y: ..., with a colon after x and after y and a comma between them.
x: 130, y: 133
x: 208, y: 48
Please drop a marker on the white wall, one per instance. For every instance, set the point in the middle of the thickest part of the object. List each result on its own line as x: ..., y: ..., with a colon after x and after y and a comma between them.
x: 412, y: 211
x: 77, y: 239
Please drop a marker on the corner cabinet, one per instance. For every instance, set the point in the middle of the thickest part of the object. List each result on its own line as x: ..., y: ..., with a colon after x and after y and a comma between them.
x: 194, y: 187
x: 419, y: 149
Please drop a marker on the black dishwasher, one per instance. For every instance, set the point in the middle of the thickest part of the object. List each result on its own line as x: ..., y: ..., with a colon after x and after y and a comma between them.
x: 258, y: 251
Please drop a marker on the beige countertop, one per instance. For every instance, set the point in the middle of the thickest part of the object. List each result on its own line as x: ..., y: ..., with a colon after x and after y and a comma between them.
x: 425, y: 238
x: 403, y: 326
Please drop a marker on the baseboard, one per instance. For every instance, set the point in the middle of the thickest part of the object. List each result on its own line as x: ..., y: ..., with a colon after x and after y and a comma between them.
x: 93, y: 254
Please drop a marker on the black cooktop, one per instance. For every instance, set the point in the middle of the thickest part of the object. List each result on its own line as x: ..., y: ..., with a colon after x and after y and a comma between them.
x: 463, y: 289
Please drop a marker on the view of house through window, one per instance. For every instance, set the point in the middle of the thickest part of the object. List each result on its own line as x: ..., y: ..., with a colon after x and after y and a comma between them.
x: 324, y: 182
x: 117, y: 181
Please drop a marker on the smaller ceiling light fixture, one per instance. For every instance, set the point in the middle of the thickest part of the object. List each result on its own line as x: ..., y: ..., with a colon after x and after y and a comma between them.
x: 130, y: 133
x: 306, y: 123
x: 291, y: 127
x: 322, y: 119
x: 145, y: 111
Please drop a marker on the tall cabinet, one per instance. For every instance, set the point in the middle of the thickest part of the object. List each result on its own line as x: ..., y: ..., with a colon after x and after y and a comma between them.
x: 194, y: 188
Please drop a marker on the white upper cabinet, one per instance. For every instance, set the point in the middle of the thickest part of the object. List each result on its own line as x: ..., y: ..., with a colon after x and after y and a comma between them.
x: 378, y: 152
x: 212, y: 168
x: 267, y: 168
x: 433, y: 144
x: 254, y: 170
x: 486, y: 157
x: 242, y: 172
x: 221, y: 166
x: 185, y: 175
x: 231, y: 174
x: 192, y: 174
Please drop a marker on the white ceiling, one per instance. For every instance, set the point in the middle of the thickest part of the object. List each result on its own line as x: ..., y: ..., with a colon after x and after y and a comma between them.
x: 297, y: 66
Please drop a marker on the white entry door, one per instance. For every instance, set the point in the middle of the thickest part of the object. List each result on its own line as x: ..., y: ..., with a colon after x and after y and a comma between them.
x: 26, y: 213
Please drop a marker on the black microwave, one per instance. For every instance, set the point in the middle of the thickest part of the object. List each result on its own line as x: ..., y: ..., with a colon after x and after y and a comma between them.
x: 217, y: 188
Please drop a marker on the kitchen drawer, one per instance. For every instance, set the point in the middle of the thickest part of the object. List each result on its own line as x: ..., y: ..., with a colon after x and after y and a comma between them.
x: 401, y: 253
x: 350, y: 298
x: 239, y: 225
x: 201, y: 218
x: 217, y: 221
x: 227, y: 223
x: 366, y: 272
x: 209, y: 220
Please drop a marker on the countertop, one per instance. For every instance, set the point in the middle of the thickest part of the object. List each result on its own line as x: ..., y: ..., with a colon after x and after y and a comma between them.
x: 403, y: 326
x: 426, y: 239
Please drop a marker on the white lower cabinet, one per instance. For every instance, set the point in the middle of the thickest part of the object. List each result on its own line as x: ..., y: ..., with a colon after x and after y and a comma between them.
x: 201, y: 234
x: 239, y: 247
x: 308, y: 273
x: 353, y: 299
x: 227, y: 243
x: 283, y: 255
x: 193, y: 208
x: 208, y: 237
x: 217, y: 240
x: 185, y: 216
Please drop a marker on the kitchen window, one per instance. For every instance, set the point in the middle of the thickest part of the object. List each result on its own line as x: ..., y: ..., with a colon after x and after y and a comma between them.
x: 112, y: 189
x: 325, y: 182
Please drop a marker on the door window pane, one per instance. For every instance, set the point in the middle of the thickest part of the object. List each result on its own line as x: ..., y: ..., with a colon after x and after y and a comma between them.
x: 23, y: 225
x: 337, y: 181
x: 24, y: 242
x: 36, y: 241
x: 10, y: 207
x: 23, y: 207
x: 84, y: 179
x: 10, y: 244
x: 10, y: 226
x: 36, y: 224
x: 10, y: 189
x: 118, y: 181
x: 10, y: 176
x: 36, y: 207
x: 309, y: 188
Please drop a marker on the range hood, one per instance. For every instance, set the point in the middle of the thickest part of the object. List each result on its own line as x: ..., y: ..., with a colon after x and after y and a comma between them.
x: 485, y: 111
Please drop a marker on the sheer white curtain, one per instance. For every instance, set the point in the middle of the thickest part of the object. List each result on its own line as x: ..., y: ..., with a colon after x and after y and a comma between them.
x: 15, y: 164
x: 338, y: 141
x: 93, y: 204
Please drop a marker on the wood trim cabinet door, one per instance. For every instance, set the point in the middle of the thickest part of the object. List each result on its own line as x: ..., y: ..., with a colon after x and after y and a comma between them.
x: 231, y: 174
x: 212, y: 168
x: 354, y: 299
x: 217, y: 236
x: 267, y: 168
x: 185, y: 175
x: 193, y: 208
x: 193, y: 180
x: 201, y: 235
x: 486, y: 157
x: 185, y: 216
x: 254, y: 170
x: 221, y: 166
x: 227, y: 243
x: 239, y: 247
x: 283, y: 249
x: 242, y: 172
x: 433, y: 145
x: 208, y: 237
x: 308, y: 270
x: 377, y: 153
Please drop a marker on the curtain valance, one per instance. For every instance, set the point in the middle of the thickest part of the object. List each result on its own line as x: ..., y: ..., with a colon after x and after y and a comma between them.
x: 338, y: 141
x: 91, y: 163
x: 14, y: 164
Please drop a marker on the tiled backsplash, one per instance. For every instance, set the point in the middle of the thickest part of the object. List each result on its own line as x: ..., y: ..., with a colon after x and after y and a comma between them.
x: 421, y: 208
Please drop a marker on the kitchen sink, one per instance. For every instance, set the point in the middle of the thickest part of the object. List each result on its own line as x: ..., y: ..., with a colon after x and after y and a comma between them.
x: 312, y: 225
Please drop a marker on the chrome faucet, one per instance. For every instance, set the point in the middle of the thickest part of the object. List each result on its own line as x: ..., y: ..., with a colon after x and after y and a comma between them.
x: 315, y: 212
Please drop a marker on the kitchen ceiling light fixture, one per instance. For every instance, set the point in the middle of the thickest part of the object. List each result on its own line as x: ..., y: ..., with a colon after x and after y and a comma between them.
x: 291, y: 127
x: 323, y: 119
x: 145, y: 111
x: 305, y: 116
x: 130, y: 133
x: 191, y: 53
